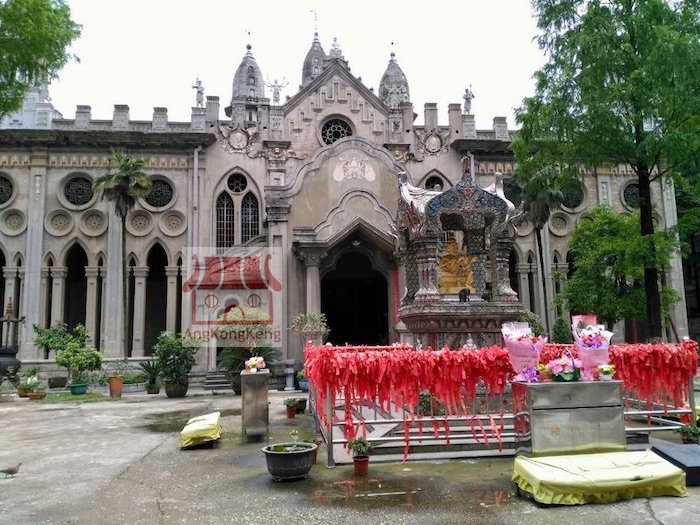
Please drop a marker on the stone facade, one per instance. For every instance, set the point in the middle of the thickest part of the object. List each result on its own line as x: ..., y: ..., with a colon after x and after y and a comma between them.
x: 316, y: 179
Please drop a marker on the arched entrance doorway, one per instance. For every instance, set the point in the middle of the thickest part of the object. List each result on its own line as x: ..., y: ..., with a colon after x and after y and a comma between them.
x: 76, y: 287
x: 354, y: 297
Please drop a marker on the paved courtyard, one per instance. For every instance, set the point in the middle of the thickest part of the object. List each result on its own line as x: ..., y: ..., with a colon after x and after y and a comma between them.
x: 120, y: 463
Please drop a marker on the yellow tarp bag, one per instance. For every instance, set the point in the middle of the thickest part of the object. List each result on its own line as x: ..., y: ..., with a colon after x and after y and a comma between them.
x: 201, y: 429
x: 597, y: 478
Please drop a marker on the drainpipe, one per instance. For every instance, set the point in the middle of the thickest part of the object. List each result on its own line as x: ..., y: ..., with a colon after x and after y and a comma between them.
x: 195, y: 199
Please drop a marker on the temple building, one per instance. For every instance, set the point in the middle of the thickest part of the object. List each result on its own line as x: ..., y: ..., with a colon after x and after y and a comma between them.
x: 302, y: 195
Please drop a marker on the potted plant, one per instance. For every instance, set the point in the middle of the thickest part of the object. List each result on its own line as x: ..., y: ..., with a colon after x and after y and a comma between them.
x: 690, y: 433
x: 287, y: 461
x: 312, y: 327
x: 291, y: 404
x: 564, y: 368
x: 175, y: 355
x: 38, y: 389
x: 79, y: 359
x: 152, y: 370
x: 23, y: 388
x: 303, y: 382
x: 606, y: 372
x: 360, y: 455
x: 116, y: 377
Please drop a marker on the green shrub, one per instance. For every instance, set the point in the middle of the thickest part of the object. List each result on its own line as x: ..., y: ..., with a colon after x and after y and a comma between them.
x: 534, y: 321
x: 175, y: 355
x: 561, y: 331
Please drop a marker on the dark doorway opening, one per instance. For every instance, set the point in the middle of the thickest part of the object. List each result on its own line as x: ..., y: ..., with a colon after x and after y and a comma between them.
x: 156, y: 297
x: 76, y: 287
x: 354, y: 298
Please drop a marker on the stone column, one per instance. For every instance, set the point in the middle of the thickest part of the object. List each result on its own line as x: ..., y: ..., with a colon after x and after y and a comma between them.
x: 503, y: 291
x: 140, y: 274
x: 103, y: 274
x: 523, y: 269
x: 113, y: 316
x: 10, y: 274
x: 31, y: 304
x: 312, y: 258
x: 91, y: 272
x: 427, y: 256
x: 58, y: 274
x: 171, y: 272
x: 43, y: 307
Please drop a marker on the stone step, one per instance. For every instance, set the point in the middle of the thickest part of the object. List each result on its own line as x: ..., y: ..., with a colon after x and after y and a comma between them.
x: 216, y: 381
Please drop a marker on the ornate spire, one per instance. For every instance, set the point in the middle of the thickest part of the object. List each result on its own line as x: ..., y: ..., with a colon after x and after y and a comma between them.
x: 313, y: 63
x: 393, y: 88
x: 248, y: 81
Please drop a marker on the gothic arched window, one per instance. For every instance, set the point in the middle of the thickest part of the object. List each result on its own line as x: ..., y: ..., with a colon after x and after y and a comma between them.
x: 225, y: 223
x: 250, y: 217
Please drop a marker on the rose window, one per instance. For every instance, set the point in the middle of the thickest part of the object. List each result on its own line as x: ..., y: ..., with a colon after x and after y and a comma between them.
x: 631, y: 195
x: 173, y: 223
x: 94, y: 222
x: 140, y: 223
x: 334, y: 130
x: 5, y: 190
x: 78, y: 191
x: 161, y: 194
x: 237, y: 183
x: 60, y: 222
x: 572, y: 196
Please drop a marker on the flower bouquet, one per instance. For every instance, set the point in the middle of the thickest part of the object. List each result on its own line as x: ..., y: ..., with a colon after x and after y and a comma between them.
x: 254, y: 364
x: 523, y: 347
x: 591, y: 341
x: 528, y: 375
x: 564, y: 368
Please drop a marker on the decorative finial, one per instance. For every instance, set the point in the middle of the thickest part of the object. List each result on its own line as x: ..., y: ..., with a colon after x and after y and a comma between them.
x: 248, y: 47
x: 315, y: 12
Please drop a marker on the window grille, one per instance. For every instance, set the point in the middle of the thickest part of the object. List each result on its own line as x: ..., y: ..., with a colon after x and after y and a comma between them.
x: 161, y: 194
x: 224, y: 222
x: 334, y: 130
x: 5, y: 189
x: 78, y: 191
x: 631, y: 195
x: 250, y: 218
x: 237, y: 183
x: 573, y: 195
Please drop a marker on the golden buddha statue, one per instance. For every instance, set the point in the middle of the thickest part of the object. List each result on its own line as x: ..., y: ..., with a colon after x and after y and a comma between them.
x: 454, y: 270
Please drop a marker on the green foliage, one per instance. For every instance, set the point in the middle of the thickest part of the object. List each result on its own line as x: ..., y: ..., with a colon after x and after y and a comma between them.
x: 126, y: 184
x: 232, y: 358
x: 311, y: 326
x: 534, y: 321
x: 430, y: 405
x: 134, y: 379
x: 619, y: 87
x: 11, y: 376
x: 360, y: 446
x: 688, y: 431
x: 291, y: 402
x: 90, y: 397
x: 610, y: 255
x: 152, y: 369
x: 118, y: 367
x: 30, y: 371
x: 301, y: 375
x: 175, y: 356
x: 561, y: 331
x: 58, y: 337
x: 78, y: 359
x: 34, y: 36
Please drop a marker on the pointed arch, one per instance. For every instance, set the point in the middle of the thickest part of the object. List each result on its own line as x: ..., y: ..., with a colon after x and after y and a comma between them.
x: 61, y: 259
x: 100, y: 258
x: 432, y: 177
x: 19, y: 260
x: 225, y: 222
x: 49, y: 259
x: 75, y: 291
x: 556, y: 258
x: 250, y: 217
x: 132, y: 259
x: 145, y: 253
x: 156, y: 295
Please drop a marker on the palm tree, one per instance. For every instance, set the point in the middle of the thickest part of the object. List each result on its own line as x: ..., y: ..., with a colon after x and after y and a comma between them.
x: 123, y: 187
x: 541, y: 193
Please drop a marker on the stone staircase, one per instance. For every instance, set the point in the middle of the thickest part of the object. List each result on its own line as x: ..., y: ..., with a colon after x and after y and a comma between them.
x: 216, y: 380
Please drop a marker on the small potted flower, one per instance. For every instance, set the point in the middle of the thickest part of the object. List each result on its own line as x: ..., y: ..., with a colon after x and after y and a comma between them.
x: 360, y: 455
x: 38, y: 388
x: 543, y: 373
x: 254, y: 364
x: 606, y: 372
x: 291, y: 404
x: 303, y: 381
x: 690, y: 433
x: 564, y: 368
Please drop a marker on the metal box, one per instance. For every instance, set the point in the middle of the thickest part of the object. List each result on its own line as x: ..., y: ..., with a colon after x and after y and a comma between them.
x: 254, y: 403
x: 553, y: 418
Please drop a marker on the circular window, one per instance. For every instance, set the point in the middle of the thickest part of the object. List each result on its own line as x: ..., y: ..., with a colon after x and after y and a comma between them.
x: 572, y: 195
x: 434, y: 183
x: 5, y: 189
x: 334, y: 130
x: 78, y: 191
x: 237, y: 183
x: 630, y: 195
x: 161, y: 194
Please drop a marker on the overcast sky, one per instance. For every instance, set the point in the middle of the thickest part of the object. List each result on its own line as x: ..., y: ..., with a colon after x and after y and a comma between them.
x: 148, y: 53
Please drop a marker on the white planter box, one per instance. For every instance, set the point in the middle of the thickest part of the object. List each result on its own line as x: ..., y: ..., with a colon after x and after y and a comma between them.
x: 136, y: 387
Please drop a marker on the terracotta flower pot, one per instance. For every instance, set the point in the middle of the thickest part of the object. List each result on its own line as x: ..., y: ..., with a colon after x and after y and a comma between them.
x: 291, y: 412
x: 115, y: 386
x: 33, y: 396
x: 361, y: 464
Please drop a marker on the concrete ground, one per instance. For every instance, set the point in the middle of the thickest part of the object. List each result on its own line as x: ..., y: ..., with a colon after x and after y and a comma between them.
x: 120, y: 463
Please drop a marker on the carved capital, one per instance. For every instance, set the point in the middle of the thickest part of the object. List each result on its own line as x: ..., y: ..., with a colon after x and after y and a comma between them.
x: 312, y: 256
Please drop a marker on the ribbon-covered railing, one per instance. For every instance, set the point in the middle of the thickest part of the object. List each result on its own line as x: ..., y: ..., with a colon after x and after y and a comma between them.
x: 397, y: 374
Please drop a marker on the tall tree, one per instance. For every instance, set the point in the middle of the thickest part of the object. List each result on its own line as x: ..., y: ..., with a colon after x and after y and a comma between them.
x: 34, y: 37
x: 620, y: 87
x: 127, y: 183
x: 610, y: 255
x: 540, y: 194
